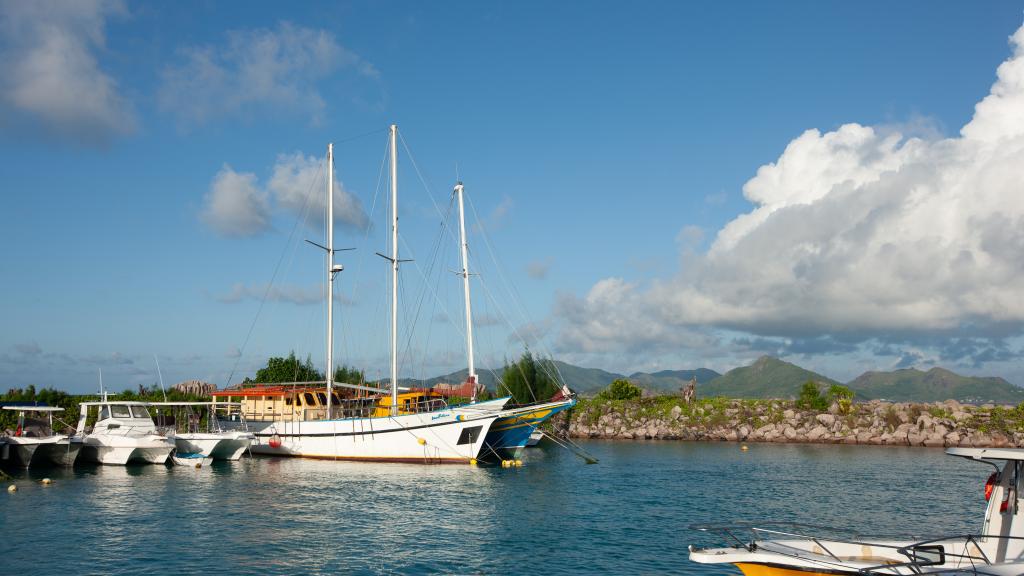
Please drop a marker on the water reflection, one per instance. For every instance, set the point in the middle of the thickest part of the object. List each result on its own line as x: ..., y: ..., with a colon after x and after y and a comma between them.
x: 556, y: 515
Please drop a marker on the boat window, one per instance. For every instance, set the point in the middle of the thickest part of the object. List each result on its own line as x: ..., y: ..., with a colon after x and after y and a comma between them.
x: 288, y: 400
x: 104, y: 413
x: 322, y: 397
x: 334, y: 398
x: 140, y: 412
x: 119, y: 411
x: 309, y: 399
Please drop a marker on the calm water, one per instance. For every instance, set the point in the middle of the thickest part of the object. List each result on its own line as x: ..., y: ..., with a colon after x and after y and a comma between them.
x: 629, y: 514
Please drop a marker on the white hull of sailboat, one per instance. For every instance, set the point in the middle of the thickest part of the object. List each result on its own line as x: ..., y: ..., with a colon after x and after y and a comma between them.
x: 445, y: 436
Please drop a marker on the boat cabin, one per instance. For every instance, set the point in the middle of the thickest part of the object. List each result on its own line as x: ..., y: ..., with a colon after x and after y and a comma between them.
x: 112, y: 417
x: 32, y: 427
x: 270, y: 403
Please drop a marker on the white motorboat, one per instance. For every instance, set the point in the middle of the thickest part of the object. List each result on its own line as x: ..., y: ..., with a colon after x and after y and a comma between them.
x: 124, y: 432
x: 195, y: 429
x: 998, y: 549
x: 33, y: 442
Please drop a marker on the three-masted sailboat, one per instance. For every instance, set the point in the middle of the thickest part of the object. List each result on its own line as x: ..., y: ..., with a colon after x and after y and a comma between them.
x: 312, y: 420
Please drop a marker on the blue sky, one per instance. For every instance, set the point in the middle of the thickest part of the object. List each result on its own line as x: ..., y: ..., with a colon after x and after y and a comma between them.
x: 156, y: 159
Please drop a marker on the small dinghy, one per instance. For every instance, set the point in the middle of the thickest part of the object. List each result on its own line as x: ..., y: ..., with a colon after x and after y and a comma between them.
x: 193, y: 459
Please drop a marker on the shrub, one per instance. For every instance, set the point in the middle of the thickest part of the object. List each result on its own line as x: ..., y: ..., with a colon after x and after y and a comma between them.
x: 621, y: 389
x: 810, y: 397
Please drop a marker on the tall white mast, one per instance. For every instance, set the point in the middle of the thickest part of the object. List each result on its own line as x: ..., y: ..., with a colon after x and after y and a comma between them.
x: 471, y: 374
x: 330, y: 276
x: 394, y: 270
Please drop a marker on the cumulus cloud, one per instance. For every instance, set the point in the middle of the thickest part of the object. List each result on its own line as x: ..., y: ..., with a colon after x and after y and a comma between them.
x: 292, y: 183
x: 860, y: 232
x: 256, y: 68
x: 49, y: 68
x: 235, y: 204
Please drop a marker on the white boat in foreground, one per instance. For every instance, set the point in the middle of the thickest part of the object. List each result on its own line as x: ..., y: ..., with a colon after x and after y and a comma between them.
x: 195, y: 429
x: 33, y: 442
x: 124, y: 432
x: 998, y: 549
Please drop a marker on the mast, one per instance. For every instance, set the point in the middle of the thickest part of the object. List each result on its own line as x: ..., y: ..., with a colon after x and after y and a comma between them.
x: 471, y: 373
x: 330, y: 276
x: 394, y: 270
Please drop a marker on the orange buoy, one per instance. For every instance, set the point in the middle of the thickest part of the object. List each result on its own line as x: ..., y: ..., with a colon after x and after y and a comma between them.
x: 275, y: 441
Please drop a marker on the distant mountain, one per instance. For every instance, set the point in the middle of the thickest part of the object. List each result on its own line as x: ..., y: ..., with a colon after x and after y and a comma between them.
x: 767, y: 377
x: 587, y: 381
x: 672, y: 380
x: 934, y: 385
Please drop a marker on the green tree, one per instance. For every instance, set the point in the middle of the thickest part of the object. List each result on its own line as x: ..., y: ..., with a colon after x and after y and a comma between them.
x: 349, y: 375
x: 289, y: 369
x: 621, y: 389
x: 529, y: 379
x: 811, y: 398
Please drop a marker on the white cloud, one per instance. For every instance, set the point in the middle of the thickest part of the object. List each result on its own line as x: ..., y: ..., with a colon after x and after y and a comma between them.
x: 256, y: 68
x: 293, y: 181
x: 235, y: 205
x: 859, y: 232
x: 49, y: 68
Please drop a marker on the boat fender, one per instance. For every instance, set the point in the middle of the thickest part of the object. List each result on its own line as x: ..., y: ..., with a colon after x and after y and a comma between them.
x: 275, y: 441
x: 990, y: 485
x: 422, y: 441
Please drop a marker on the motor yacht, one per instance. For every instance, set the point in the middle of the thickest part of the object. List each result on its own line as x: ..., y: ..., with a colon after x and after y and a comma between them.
x: 33, y: 442
x: 123, y: 432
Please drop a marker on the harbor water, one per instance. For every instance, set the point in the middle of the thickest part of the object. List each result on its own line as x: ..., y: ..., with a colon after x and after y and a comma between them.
x: 628, y: 514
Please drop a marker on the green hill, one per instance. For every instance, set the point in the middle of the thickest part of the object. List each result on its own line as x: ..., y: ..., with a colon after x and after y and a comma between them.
x: 934, y: 385
x: 767, y: 377
x: 671, y: 381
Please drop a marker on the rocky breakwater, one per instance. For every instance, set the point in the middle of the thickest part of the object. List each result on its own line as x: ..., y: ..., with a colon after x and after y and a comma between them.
x: 881, y: 423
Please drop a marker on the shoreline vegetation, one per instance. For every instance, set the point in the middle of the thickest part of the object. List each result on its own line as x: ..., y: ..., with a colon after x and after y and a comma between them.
x: 875, y: 422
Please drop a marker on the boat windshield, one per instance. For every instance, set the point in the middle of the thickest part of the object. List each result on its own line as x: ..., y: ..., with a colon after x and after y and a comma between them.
x: 140, y: 412
x: 119, y: 411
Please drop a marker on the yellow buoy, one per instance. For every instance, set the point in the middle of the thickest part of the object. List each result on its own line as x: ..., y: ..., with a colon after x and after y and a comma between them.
x: 504, y: 463
x: 472, y: 461
x: 12, y: 488
x: 519, y: 463
x: 422, y: 441
x: 46, y: 481
x: 744, y: 448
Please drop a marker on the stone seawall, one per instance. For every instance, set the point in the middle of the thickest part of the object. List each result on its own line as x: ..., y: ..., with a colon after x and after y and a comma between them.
x: 881, y: 423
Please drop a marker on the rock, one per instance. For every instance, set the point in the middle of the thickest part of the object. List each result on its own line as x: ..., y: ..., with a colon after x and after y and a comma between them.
x: 951, y: 439
x: 789, y: 414
x: 676, y: 412
x: 924, y: 421
x: 743, y: 432
x: 826, y: 420
x: 817, y: 433
x: 934, y: 440
x: 789, y: 432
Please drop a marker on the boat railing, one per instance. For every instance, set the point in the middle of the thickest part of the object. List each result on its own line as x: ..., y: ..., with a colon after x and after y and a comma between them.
x: 962, y: 554
x: 935, y: 553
